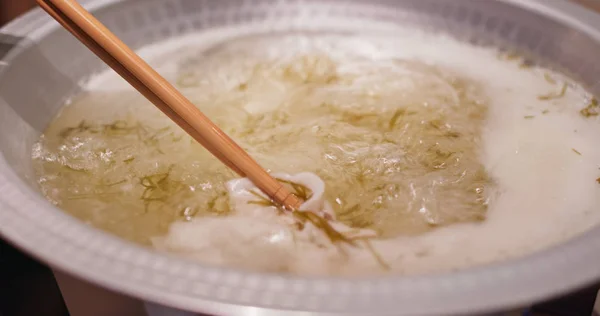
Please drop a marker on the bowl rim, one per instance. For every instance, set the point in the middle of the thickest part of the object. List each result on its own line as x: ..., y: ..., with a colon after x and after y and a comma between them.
x: 179, y: 283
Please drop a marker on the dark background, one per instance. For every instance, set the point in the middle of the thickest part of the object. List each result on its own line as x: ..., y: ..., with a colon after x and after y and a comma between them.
x: 27, y: 287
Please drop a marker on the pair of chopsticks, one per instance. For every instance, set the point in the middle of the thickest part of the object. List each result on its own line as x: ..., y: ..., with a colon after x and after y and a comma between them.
x: 87, y: 29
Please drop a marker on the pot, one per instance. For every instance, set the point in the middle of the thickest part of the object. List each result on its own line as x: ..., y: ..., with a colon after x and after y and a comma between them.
x: 42, y: 65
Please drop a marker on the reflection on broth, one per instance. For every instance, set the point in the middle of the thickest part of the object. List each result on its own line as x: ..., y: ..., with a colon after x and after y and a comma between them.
x: 402, y: 144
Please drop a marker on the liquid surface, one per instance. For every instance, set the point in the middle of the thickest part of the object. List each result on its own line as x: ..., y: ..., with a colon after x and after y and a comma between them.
x: 450, y: 165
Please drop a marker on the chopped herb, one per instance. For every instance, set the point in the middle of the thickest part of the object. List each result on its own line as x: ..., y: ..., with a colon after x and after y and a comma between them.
x: 549, y: 78
x: 301, y: 191
x: 545, y: 111
x: 90, y: 196
x: 509, y: 56
x: 395, y: 117
x: 82, y: 127
x: 333, y: 235
x: 376, y: 255
x: 128, y: 160
x: 575, y: 151
x: 592, y: 108
x: 116, y: 183
x: 528, y: 117
x: 356, y: 217
x: 512, y: 56
x: 187, y: 80
x: 262, y: 201
x: 153, y: 140
x: 219, y: 208
x: 116, y: 128
x: 526, y: 64
x: 306, y: 216
x: 452, y: 134
x: 76, y: 169
x: 355, y: 118
x: 552, y: 96
x: 436, y: 124
x: 158, y: 187
x: 188, y: 212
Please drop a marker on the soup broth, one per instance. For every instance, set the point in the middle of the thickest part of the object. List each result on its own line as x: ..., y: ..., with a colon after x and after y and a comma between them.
x: 452, y: 157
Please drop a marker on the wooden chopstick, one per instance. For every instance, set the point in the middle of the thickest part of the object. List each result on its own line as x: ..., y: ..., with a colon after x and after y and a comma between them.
x: 163, y: 95
x: 115, y: 65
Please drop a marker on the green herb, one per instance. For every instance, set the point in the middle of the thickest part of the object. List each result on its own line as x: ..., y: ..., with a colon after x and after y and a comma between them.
x: 355, y: 216
x: 552, y: 96
x: 187, y: 80
x: 526, y: 64
x: 575, y: 151
x: 118, y: 127
x: 549, y: 79
x: 333, y: 235
x: 306, y: 216
x: 376, y: 255
x: 436, y: 124
x: 116, y: 183
x: 83, y: 170
x: 452, y: 134
x: 355, y: 118
x: 397, y: 114
x: 82, y: 127
x: 592, y: 108
x: 528, y: 117
x: 509, y: 56
x: 301, y: 191
x: 262, y: 201
x: 91, y: 195
x: 216, y: 205
x: 188, y: 212
x: 512, y: 56
x: 128, y: 160
x: 157, y: 187
x: 154, y: 138
x: 437, y: 159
